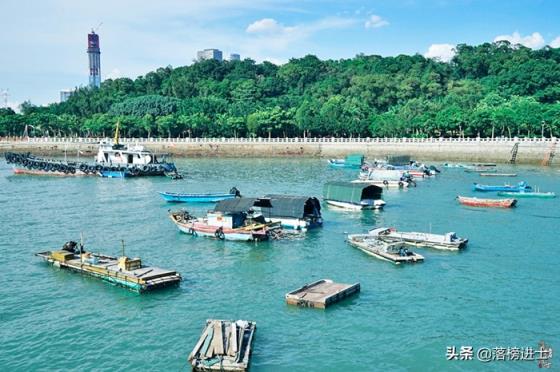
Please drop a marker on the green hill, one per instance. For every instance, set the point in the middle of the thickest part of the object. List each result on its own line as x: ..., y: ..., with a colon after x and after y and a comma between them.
x: 488, y: 89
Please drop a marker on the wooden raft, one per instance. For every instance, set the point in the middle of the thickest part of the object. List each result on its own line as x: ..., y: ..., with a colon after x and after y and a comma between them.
x: 321, y: 293
x: 225, y: 345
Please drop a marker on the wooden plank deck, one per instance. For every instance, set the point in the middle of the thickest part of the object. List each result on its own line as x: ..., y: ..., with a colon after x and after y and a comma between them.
x: 225, y: 345
x: 140, y: 279
x: 321, y: 293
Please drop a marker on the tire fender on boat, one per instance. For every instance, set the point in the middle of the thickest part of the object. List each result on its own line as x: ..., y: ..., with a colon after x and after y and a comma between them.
x: 220, y: 234
x: 385, y: 182
x: 401, y: 184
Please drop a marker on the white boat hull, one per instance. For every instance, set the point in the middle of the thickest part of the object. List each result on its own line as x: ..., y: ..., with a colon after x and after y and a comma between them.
x: 419, y: 239
x: 385, y: 183
x: 377, y: 204
x: 227, y: 236
x: 295, y: 223
x: 365, y: 247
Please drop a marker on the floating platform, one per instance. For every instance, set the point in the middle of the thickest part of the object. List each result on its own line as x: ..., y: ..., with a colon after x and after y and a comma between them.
x: 122, y: 271
x: 498, y: 174
x: 321, y: 293
x: 225, y: 345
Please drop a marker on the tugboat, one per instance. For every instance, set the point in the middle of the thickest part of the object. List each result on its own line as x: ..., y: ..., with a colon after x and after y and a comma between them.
x: 113, y: 160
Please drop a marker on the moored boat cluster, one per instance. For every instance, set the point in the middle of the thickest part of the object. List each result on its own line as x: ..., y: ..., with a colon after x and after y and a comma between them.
x: 227, y: 344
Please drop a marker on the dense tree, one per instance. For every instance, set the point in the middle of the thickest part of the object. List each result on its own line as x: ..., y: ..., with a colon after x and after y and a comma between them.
x: 494, y: 89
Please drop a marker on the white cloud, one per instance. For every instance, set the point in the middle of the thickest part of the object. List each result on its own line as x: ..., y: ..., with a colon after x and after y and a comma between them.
x: 533, y: 41
x: 375, y: 21
x: 441, y: 52
x: 555, y: 43
x: 275, y: 42
x: 264, y: 25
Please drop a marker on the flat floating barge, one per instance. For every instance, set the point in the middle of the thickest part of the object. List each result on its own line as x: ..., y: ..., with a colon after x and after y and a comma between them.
x: 122, y: 271
x: 225, y: 345
x: 321, y: 293
x: 498, y: 174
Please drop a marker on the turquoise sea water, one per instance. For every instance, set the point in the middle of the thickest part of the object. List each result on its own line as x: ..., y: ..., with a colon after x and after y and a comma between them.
x: 502, y: 291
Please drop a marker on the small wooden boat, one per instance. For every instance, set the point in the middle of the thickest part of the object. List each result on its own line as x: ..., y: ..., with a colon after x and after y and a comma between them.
x: 528, y: 194
x: 498, y: 174
x: 395, y: 252
x: 449, y: 241
x: 224, y: 226
x: 353, y: 161
x: 290, y: 211
x: 493, y: 203
x: 521, y: 186
x: 122, y: 271
x: 174, y: 197
x: 225, y: 345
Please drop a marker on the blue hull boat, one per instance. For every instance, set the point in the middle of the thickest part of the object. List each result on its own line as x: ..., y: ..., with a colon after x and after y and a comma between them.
x: 353, y: 161
x: 114, y: 174
x: 341, y: 163
x: 174, y: 197
x: 520, y: 187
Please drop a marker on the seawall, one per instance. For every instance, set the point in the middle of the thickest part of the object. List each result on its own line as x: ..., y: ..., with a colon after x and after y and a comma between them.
x: 499, y: 150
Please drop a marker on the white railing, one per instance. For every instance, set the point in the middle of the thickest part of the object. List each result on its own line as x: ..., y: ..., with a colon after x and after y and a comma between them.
x: 258, y: 140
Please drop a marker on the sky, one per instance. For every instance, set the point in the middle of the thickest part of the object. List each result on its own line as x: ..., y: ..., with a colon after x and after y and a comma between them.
x: 43, y: 42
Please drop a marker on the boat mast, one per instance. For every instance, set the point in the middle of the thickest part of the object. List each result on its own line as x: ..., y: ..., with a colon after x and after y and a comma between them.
x: 116, y: 139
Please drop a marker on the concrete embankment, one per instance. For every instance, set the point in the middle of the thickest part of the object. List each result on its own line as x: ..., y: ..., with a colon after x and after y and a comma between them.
x: 529, y: 151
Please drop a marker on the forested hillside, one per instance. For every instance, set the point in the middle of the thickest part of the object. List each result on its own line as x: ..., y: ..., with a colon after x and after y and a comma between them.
x: 488, y: 89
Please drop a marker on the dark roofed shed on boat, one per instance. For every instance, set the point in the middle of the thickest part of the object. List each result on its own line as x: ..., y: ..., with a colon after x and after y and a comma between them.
x: 236, y: 205
x: 273, y: 206
x: 292, y: 206
x: 350, y: 192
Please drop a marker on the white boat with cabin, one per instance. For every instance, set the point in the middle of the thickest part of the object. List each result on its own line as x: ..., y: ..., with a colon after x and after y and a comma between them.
x: 448, y: 241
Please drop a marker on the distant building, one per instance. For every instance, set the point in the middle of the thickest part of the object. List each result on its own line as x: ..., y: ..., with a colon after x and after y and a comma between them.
x: 209, y: 54
x: 94, y: 56
x: 234, y: 57
x: 65, y: 94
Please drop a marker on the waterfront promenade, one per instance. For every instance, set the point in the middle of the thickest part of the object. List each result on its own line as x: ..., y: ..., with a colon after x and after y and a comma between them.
x: 500, y: 150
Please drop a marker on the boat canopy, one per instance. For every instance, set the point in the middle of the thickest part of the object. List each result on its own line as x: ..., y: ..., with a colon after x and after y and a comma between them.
x: 292, y: 206
x: 354, y: 160
x: 237, y: 205
x: 273, y: 206
x: 351, y: 192
x: 398, y: 159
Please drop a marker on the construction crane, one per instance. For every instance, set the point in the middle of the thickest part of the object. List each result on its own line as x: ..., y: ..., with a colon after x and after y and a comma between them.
x: 94, y: 30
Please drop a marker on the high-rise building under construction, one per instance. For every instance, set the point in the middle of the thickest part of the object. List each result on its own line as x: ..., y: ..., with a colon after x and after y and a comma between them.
x: 94, y: 54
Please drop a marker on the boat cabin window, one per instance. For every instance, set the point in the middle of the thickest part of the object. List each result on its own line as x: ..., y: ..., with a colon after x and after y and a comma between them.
x: 130, y: 158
